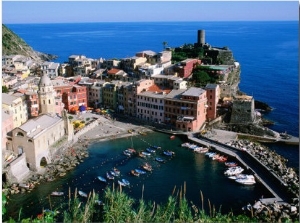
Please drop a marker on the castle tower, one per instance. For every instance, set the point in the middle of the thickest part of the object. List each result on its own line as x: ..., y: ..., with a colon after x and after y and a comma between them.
x: 46, y: 95
x: 201, y: 37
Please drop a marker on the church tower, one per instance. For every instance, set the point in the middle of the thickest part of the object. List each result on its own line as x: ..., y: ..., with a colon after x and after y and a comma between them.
x: 46, y: 95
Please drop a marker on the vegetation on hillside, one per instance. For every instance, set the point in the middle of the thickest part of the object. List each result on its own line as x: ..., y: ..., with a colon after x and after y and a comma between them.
x: 12, y: 44
x: 117, y: 206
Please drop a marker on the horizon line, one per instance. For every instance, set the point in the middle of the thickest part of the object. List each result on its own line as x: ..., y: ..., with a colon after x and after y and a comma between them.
x: 36, y: 23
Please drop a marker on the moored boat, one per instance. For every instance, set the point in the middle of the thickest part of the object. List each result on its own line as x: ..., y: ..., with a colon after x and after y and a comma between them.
x: 234, y: 170
x: 160, y: 160
x: 109, y: 176
x: 57, y: 193
x: 82, y: 194
x: 231, y: 164
x: 172, y: 137
x: 102, y: 179
x: 140, y: 171
x: 168, y: 153
x: 150, y: 150
x: 248, y: 180
x: 124, y: 182
x: 147, y: 167
x: 134, y: 173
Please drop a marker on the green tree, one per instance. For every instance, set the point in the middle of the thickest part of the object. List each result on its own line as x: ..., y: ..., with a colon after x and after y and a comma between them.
x: 201, y: 78
x: 4, y: 89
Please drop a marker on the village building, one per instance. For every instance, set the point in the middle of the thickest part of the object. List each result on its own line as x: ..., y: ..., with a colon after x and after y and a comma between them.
x: 50, y: 68
x: 16, y: 106
x: 186, y: 109
x: 213, y: 96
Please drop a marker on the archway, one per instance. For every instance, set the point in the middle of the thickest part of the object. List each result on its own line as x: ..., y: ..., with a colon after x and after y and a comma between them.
x: 43, y: 162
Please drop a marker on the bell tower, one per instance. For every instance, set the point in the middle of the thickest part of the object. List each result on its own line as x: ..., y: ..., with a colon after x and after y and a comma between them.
x: 46, y: 95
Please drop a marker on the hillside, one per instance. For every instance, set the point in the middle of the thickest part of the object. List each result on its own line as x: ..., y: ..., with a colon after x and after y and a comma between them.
x: 12, y: 44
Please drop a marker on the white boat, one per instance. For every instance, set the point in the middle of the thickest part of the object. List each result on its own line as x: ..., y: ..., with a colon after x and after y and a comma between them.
x: 140, y: 171
x: 124, y: 182
x: 248, y: 180
x: 57, y: 193
x: 233, y: 170
x: 234, y: 177
x: 102, y: 179
x: 82, y: 194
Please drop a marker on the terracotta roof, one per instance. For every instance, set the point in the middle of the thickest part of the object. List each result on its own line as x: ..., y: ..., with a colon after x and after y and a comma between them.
x: 156, y: 88
x: 113, y: 71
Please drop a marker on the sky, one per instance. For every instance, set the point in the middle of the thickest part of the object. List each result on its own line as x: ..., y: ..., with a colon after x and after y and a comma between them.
x: 17, y: 12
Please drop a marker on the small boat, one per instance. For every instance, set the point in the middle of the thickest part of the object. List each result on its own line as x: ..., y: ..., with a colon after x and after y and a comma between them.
x: 222, y: 158
x: 147, y: 167
x: 155, y: 147
x: 234, y: 170
x: 134, y: 173
x: 160, y: 160
x: 150, y: 150
x: 248, y: 180
x: 109, y: 176
x: 57, y: 193
x: 172, y: 137
x: 140, y: 171
x: 131, y: 150
x: 98, y: 202
x: 215, y: 157
x: 127, y: 153
x: 142, y: 155
x: 231, y: 164
x: 146, y: 153
x: 238, y: 176
x: 124, y: 183
x: 115, y: 174
x: 102, y: 179
x: 82, y: 194
x: 168, y: 153
x: 201, y: 149
x: 186, y: 144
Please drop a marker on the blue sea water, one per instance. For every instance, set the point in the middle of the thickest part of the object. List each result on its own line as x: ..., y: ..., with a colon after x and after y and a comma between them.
x: 267, y: 52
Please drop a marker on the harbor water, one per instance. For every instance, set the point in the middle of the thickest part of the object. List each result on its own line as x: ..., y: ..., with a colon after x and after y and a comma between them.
x: 198, y: 172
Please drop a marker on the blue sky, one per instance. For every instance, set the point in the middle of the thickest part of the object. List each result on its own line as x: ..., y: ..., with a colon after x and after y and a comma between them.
x: 128, y: 11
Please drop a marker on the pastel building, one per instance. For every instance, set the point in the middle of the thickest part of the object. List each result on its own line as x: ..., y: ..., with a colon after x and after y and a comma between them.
x: 7, y: 126
x: 186, y: 109
x: 150, y: 104
x: 51, y: 69
x: 36, y: 138
x: 16, y: 106
x: 185, y: 68
x: 213, y: 96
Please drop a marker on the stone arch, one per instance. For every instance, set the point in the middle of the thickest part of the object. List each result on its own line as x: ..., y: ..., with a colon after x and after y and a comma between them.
x: 20, y: 150
x: 43, y: 161
x: 20, y: 134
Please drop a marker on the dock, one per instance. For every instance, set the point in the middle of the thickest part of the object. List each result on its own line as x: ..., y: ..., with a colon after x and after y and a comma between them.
x: 262, y: 173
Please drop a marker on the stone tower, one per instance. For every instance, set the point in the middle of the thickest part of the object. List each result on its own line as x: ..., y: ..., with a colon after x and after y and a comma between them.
x: 46, y: 95
x: 243, y: 110
x: 201, y: 37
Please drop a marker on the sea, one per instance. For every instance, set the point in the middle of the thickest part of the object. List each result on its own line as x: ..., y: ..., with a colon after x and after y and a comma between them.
x: 268, y: 54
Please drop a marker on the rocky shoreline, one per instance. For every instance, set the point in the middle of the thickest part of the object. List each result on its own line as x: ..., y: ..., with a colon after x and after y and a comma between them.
x: 273, y: 161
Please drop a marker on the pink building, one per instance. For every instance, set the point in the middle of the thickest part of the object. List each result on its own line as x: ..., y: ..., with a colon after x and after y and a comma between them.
x: 7, y: 126
x: 213, y: 96
x: 186, y: 109
x: 186, y: 67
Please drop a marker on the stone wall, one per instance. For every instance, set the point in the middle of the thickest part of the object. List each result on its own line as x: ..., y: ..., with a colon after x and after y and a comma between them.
x: 17, y: 170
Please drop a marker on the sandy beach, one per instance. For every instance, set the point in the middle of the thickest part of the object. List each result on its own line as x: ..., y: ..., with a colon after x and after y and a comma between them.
x: 109, y: 129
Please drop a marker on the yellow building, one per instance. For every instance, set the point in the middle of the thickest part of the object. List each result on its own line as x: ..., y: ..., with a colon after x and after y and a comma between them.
x: 15, y: 105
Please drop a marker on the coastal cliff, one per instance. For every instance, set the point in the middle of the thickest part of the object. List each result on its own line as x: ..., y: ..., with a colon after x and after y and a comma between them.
x: 12, y: 44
